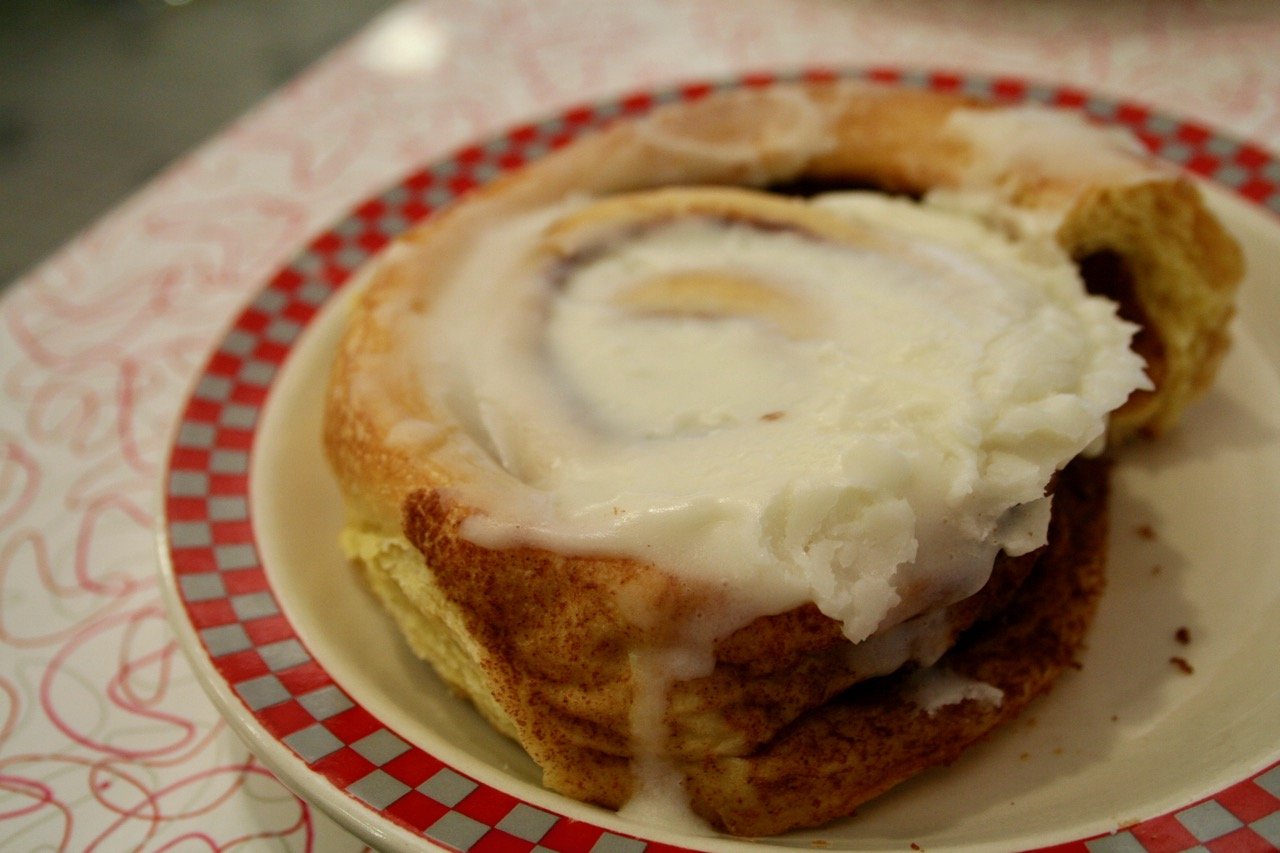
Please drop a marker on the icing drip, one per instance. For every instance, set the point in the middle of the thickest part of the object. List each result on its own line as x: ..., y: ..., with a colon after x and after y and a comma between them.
x: 658, y: 798
x: 934, y: 688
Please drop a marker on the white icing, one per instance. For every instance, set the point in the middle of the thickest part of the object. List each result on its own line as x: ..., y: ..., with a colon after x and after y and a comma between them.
x: 758, y: 135
x: 1024, y: 147
x: 1041, y: 142
x: 865, y: 431
x: 659, y: 798
x: 921, y: 640
x: 872, y: 461
x: 412, y: 432
x: 934, y: 688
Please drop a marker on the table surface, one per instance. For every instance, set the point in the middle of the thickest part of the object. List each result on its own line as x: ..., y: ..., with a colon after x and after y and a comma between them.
x: 96, y: 98
x: 105, y: 737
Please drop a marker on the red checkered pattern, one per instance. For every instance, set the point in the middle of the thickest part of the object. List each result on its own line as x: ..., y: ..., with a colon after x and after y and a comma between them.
x: 228, y: 598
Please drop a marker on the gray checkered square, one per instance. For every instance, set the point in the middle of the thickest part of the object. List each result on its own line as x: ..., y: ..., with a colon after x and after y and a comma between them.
x: 536, y: 150
x: 190, y: 534
x: 439, y: 196
x: 188, y: 484
x: 285, y: 654
x: 380, y: 747
x: 238, y: 417
x: 1100, y: 107
x: 228, y: 558
x: 314, y: 292
x: 239, y: 343
x: 1208, y: 821
x: 914, y: 78
x: 1269, y: 828
x: 325, y: 702
x: 228, y: 462
x: 1175, y: 151
x: 212, y: 387
x: 456, y: 830
x: 1162, y: 125
x: 225, y: 640
x: 978, y: 87
x: 313, y: 743
x: 262, y: 692
x: 447, y: 787
x: 307, y: 264
x: 205, y: 586
x: 193, y: 434
x: 445, y: 169
x: 270, y: 301
x: 524, y: 821
x: 1041, y: 94
x: 392, y: 224
x: 397, y: 196
x: 1231, y: 175
x: 257, y: 373
x: 254, y: 605
x: 228, y: 508
x: 485, y: 172
x: 1220, y: 146
x: 668, y: 96
x: 282, y: 331
x: 378, y: 789
x: 349, y: 228
x: 351, y: 256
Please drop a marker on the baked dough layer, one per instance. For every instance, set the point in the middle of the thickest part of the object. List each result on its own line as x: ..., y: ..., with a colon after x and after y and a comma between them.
x: 770, y: 739
x: 876, y: 735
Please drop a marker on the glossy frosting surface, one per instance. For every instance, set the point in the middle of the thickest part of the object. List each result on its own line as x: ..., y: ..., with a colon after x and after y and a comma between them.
x: 859, y: 420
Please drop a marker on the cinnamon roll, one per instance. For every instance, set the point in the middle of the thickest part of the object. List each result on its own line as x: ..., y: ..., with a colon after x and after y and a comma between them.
x: 720, y: 495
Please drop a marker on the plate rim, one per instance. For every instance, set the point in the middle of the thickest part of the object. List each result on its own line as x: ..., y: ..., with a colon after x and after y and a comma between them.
x: 205, y: 525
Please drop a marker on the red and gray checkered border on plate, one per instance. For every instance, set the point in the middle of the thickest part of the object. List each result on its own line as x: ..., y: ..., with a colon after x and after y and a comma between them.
x: 251, y: 644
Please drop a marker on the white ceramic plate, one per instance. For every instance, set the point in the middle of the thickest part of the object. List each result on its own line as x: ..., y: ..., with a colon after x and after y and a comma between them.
x: 311, y: 673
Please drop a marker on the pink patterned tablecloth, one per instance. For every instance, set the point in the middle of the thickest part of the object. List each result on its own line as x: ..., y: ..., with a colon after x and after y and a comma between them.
x: 106, y: 740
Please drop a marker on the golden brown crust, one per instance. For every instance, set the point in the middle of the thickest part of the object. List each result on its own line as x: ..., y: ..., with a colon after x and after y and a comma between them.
x: 538, y: 640
x: 559, y: 663
x: 874, y: 736
x: 558, y: 651
x: 1175, y: 271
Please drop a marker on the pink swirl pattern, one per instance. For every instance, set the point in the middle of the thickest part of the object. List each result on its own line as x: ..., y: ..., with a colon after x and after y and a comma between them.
x: 106, y: 740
